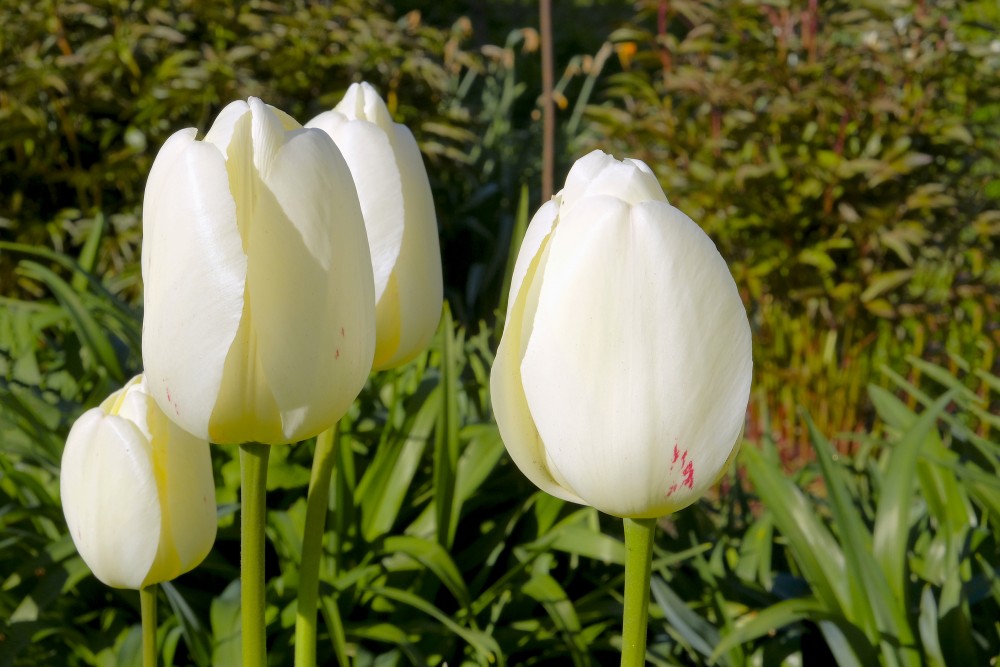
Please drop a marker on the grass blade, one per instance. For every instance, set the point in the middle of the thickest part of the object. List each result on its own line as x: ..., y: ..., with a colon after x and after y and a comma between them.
x: 90, y: 332
x: 446, y: 438
x: 892, y: 517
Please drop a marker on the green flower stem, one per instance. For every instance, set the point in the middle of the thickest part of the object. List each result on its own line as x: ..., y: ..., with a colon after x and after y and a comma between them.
x: 312, y: 548
x: 638, y: 566
x: 253, y: 469
x: 147, y: 604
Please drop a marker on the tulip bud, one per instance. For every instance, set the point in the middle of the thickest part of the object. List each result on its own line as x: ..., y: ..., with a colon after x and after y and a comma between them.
x: 259, y: 306
x: 137, y: 491
x: 399, y: 216
x: 622, y: 377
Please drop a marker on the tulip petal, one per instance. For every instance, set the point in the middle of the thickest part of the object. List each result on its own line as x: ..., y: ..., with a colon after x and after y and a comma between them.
x: 183, y: 468
x: 310, y: 284
x: 107, y: 459
x: 221, y: 133
x: 514, y: 420
x: 637, y: 372
x: 538, y: 231
x: 414, y: 307
x: 194, y: 271
x: 369, y: 154
x: 598, y: 173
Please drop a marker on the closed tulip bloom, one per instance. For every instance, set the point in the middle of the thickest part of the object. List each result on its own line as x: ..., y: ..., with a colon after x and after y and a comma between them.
x: 622, y: 377
x: 137, y: 491
x: 259, y: 307
x: 399, y: 216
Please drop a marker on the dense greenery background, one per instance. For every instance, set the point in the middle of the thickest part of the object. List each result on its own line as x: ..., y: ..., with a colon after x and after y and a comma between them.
x: 845, y: 157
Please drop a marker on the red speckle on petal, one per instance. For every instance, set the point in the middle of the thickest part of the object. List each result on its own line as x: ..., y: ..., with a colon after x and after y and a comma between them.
x: 171, y: 402
x: 688, y: 471
x: 336, y: 353
x: 342, y: 334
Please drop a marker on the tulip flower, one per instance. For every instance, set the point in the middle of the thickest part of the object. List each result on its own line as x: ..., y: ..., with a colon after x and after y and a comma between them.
x: 137, y: 491
x: 259, y: 305
x: 399, y: 217
x: 623, y: 374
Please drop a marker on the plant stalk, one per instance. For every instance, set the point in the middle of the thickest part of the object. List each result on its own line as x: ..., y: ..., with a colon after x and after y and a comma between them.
x: 253, y: 473
x: 312, y: 547
x: 548, y: 108
x: 147, y: 605
x: 638, y: 567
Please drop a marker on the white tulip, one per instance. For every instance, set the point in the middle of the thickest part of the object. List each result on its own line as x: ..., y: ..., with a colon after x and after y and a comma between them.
x: 259, y: 307
x: 399, y: 216
x: 137, y: 491
x: 623, y: 374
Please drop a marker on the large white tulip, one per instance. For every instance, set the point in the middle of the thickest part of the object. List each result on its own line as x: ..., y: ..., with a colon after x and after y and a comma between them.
x: 623, y: 374
x: 399, y: 216
x: 137, y: 491
x: 259, y: 306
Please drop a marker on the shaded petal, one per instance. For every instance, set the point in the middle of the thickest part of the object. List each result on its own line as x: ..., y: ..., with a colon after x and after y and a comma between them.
x: 538, y: 231
x: 310, y: 284
x: 194, y: 271
x: 328, y: 121
x: 414, y: 308
x: 514, y: 420
x: 183, y: 469
x: 246, y: 409
x: 109, y: 498
x: 221, y: 133
x: 362, y: 102
x: 369, y: 154
x: 637, y: 372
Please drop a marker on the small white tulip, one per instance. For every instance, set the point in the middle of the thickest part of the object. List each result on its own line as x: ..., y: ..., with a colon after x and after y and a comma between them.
x: 137, y: 491
x: 623, y: 374
x: 259, y: 307
x: 399, y: 216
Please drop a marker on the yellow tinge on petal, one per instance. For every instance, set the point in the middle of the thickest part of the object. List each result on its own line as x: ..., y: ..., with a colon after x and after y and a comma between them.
x: 137, y: 491
x: 400, y: 221
x: 259, y: 311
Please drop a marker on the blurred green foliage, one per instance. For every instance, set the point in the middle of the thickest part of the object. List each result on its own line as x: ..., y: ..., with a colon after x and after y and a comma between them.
x: 91, y: 90
x: 844, y: 156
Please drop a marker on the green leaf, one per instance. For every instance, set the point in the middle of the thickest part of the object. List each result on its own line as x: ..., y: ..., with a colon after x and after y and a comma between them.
x: 878, y: 614
x: 90, y: 332
x: 484, y: 645
x: 693, y: 630
x: 767, y: 621
x: 195, y: 635
x: 88, y: 254
x: 581, y: 540
x: 446, y: 444
x: 890, y: 409
x: 545, y: 590
x: 817, y: 554
x: 885, y: 282
x: 386, y: 481
x: 928, y: 629
x: 432, y: 556
x: 226, y: 629
x: 892, y: 516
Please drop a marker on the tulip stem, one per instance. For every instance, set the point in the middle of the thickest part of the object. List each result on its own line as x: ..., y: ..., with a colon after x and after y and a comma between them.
x: 253, y: 468
x: 638, y: 567
x: 312, y: 547
x: 147, y: 605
